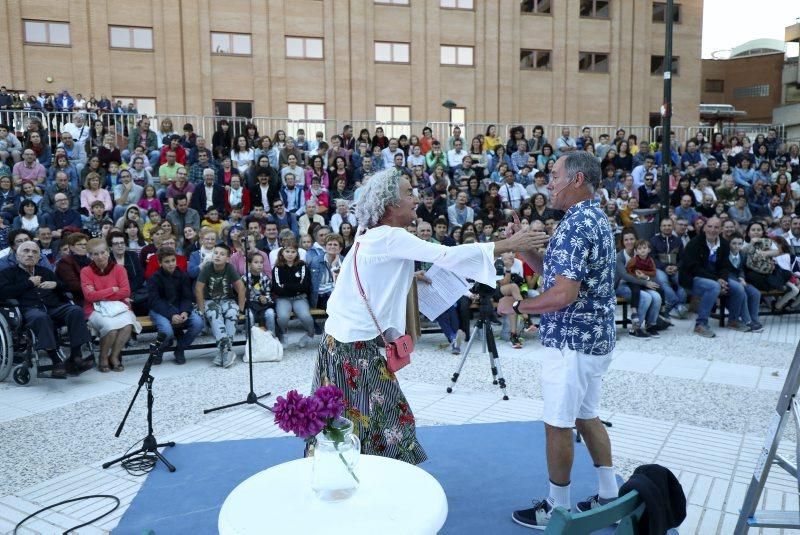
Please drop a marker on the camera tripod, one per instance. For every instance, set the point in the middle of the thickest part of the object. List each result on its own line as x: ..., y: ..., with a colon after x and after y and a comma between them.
x: 483, y: 326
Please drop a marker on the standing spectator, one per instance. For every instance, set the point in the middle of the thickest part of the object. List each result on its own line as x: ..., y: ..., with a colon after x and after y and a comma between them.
x: 217, y: 286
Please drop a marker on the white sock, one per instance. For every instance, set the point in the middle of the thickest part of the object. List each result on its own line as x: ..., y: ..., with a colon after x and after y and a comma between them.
x: 609, y: 489
x: 559, y: 496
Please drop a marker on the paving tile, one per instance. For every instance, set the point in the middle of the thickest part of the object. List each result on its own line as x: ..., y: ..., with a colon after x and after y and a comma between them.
x: 732, y: 374
x: 682, y: 368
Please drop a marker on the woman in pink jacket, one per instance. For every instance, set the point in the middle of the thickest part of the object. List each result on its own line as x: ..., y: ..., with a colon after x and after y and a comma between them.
x: 106, y: 306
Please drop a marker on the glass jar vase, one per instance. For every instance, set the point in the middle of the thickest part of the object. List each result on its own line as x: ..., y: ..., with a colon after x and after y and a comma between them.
x: 335, y: 459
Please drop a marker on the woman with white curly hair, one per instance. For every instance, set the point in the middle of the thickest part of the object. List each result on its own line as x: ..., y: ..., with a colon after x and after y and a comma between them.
x: 385, y: 252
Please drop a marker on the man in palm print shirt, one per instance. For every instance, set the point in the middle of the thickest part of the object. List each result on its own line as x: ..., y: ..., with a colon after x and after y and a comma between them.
x: 577, y: 331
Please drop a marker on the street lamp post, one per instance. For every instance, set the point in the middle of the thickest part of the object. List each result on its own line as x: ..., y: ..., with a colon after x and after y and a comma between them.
x: 666, y: 114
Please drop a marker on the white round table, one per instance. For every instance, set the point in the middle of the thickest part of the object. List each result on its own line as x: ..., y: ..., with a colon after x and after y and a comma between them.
x: 394, y: 497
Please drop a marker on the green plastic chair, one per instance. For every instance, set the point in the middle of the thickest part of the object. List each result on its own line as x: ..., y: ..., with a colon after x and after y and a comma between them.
x: 626, y: 510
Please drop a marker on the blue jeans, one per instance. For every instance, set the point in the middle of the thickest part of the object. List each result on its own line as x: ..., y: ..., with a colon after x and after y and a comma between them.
x: 268, y: 318
x: 299, y: 304
x: 708, y: 291
x: 748, y: 299
x: 449, y: 323
x: 674, y: 294
x: 649, y: 302
x: 193, y: 326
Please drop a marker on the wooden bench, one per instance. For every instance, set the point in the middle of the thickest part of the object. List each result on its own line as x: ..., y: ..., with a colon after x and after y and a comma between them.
x: 721, y: 312
x: 148, y: 327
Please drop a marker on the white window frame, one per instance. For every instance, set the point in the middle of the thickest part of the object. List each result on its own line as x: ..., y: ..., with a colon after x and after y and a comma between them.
x: 464, y: 5
x: 389, y: 127
x: 395, y: 52
x: 459, y: 55
x: 392, y: 2
x: 47, y: 32
x: 132, y: 45
x: 304, y: 42
x: 231, y: 38
x: 311, y: 122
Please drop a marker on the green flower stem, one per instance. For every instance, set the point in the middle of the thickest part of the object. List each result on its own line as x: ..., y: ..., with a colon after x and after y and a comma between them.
x: 344, y: 461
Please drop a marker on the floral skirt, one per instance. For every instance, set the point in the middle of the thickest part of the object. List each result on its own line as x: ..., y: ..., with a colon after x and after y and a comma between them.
x: 373, y: 400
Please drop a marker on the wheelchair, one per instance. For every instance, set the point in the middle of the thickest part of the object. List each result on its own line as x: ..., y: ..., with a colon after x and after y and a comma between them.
x: 18, y: 355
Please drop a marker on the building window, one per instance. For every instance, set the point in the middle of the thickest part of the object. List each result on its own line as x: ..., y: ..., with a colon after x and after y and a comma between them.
x: 541, y: 7
x: 231, y: 44
x: 458, y: 117
x: 715, y: 86
x: 130, y: 38
x: 304, y: 47
x: 457, y: 55
x: 595, y: 9
x: 592, y: 62
x: 392, y: 52
x: 751, y: 91
x: 395, y: 120
x: 308, y: 116
x: 457, y: 4
x: 143, y: 105
x: 236, y: 112
x: 660, y: 12
x: 40, y: 32
x: 657, y: 65
x: 395, y: 2
x: 538, y: 60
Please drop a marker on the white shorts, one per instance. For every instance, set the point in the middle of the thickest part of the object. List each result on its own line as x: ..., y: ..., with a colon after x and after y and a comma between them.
x: 571, y: 384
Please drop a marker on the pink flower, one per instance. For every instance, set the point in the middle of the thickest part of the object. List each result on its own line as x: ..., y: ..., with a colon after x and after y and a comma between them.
x: 299, y: 415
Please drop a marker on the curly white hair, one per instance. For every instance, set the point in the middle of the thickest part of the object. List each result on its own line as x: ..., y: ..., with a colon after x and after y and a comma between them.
x: 382, y: 190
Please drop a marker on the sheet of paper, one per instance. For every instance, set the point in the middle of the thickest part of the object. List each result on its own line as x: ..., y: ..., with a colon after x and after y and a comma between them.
x: 445, y: 289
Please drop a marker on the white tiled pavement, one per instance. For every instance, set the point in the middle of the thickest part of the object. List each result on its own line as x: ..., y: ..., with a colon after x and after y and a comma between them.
x: 714, y: 463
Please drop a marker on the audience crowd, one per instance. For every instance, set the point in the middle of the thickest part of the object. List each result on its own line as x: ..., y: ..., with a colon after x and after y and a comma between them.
x: 166, y: 223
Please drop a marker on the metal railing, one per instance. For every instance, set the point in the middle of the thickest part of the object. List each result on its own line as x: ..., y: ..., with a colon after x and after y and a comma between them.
x: 122, y: 124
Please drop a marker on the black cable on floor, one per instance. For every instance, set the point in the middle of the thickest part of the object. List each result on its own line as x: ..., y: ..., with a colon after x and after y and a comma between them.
x: 71, y: 500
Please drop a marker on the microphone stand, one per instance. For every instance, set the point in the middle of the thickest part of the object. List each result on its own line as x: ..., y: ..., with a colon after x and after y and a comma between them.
x: 150, y: 444
x: 252, y: 398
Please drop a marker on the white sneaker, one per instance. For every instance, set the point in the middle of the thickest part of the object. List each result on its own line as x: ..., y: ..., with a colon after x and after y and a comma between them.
x: 304, y: 341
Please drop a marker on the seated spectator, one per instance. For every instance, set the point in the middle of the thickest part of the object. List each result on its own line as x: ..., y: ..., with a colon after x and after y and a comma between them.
x: 42, y: 150
x: 8, y: 199
x: 708, y: 207
x: 649, y: 195
x: 60, y: 185
x: 308, y: 218
x: 740, y: 211
x: 141, y: 174
x: 217, y: 286
x: 93, y: 191
x: 29, y: 217
x: 758, y: 199
x: 152, y: 265
x: 317, y: 248
x: 704, y: 271
x: 686, y: 210
x: 748, y: 313
x: 62, y: 165
x: 238, y: 258
x: 117, y: 243
x: 342, y: 215
x: 291, y: 284
x: 182, y: 215
x: 28, y: 169
x: 666, y: 251
x: 8, y: 257
x: 134, y: 238
x: 324, y: 270
x: 203, y: 255
x: 459, y: 213
x: 209, y: 194
x: 282, y: 217
x: 318, y: 196
x: 260, y: 304
x: 175, y: 146
x: 640, y: 291
x: 48, y: 246
x: 760, y: 268
x: 44, y: 305
x: 126, y: 195
x: 10, y: 146
x: 236, y: 195
x: 106, y: 293
x: 93, y: 166
x: 169, y: 294
x: 93, y: 225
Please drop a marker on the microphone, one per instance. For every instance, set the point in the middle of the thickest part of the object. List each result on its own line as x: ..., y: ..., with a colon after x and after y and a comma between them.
x: 155, y: 347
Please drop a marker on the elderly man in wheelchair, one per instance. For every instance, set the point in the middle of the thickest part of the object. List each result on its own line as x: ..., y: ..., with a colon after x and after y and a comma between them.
x: 45, y: 306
